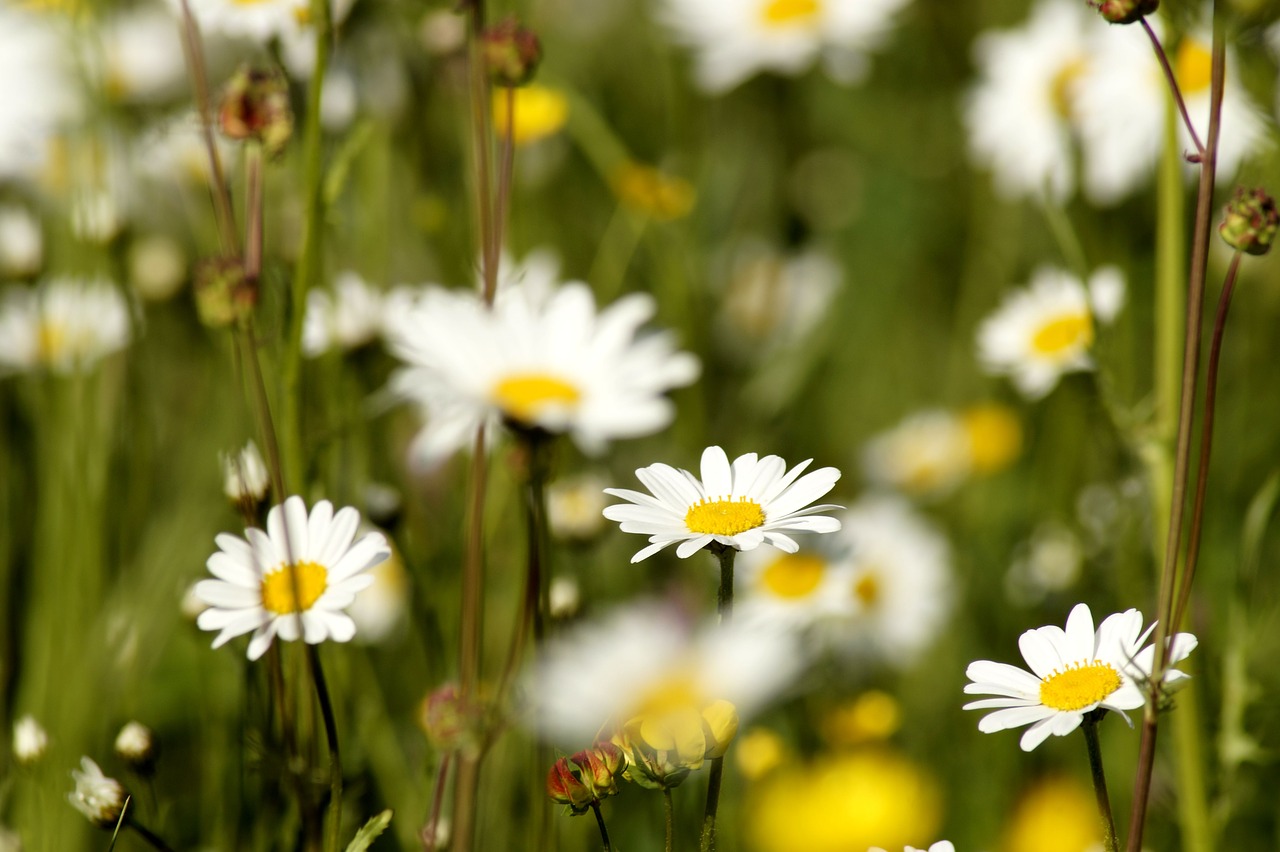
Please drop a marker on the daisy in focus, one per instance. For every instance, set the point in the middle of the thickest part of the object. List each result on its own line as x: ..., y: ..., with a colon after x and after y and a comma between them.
x: 1073, y: 672
x: 293, y: 580
x: 542, y: 358
x: 65, y: 325
x: 1047, y: 329
x: 736, y: 39
x: 742, y: 505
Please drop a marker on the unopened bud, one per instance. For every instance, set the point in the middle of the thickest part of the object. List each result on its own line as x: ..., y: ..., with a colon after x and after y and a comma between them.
x: 29, y: 740
x: 1250, y: 221
x: 137, y: 746
x: 585, y: 778
x: 511, y: 53
x: 99, y: 798
x: 1125, y: 11
x: 223, y: 296
x: 255, y: 106
x: 447, y: 719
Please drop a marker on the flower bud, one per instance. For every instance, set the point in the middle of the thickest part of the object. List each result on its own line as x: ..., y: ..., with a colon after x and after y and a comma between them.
x: 586, y: 778
x: 137, y: 746
x: 245, y: 479
x: 29, y: 740
x: 446, y: 719
x: 1250, y: 221
x: 565, y: 787
x: 223, y: 296
x: 255, y: 106
x: 1124, y: 11
x: 99, y: 798
x: 511, y: 53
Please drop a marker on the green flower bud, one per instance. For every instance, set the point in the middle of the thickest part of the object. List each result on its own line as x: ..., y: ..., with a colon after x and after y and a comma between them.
x: 1125, y: 11
x: 223, y: 295
x: 1250, y: 221
x: 511, y: 52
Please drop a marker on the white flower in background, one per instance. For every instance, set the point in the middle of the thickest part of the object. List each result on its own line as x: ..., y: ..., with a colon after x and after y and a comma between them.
x: 793, y: 590
x: 1047, y: 563
x: 293, y: 580
x: 1047, y: 329
x: 174, y: 152
x: 157, y: 267
x: 898, y: 579
x: 136, y: 745
x: 574, y: 506
x: 244, y: 475
x: 564, y: 597
x: 736, y: 39
x: 380, y: 609
x: 646, y: 658
x: 940, y: 846
x: 29, y: 740
x: 540, y: 359
x: 39, y: 96
x: 64, y: 325
x: 773, y: 302
x: 346, y: 317
x: 21, y: 242
x: 1020, y: 112
x: 96, y: 216
x: 99, y: 798
x: 259, y: 20
x: 1073, y: 672
x: 754, y: 501
x: 141, y: 55
x: 928, y: 454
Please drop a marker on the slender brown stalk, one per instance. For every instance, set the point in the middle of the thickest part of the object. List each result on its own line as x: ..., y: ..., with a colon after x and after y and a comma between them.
x: 505, y: 169
x: 1090, y: 729
x: 669, y: 812
x: 1174, y: 89
x: 1190, y: 370
x: 253, y: 214
x: 431, y: 829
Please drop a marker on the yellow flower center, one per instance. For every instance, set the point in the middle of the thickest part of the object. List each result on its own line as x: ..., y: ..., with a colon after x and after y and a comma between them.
x: 538, y: 112
x: 724, y: 517
x: 793, y: 575
x: 867, y: 589
x: 1193, y: 66
x: 777, y: 14
x: 995, y: 436
x: 1079, y: 685
x: 1060, y: 86
x: 51, y: 340
x: 307, y: 579
x: 1063, y: 335
x: 649, y: 191
x: 526, y: 396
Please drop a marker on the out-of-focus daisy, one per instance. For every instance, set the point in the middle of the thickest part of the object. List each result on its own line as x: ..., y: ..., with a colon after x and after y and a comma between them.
x: 773, y: 301
x: 141, y: 57
x: 845, y: 801
x: 736, y: 39
x: 751, y: 502
x: 21, y: 242
x: 575, y: 506
x: 293, y: 580
x: 1047, y: 329
x: 380, y: 609
x: 174, y: 152
x: 99, y: 798
x: 1019, y: 114
x: 538, y: 112
x: 29, y: 740
x: 940, y: 846
x: 792, y: 590
x: 259, y: 20
x: 157, y: 267
x: 64, y: 325
x: 1047, y: 563
x: 647, y: 662
x: 244, y: 476
x: 1073, y: 672
x: 541, y: 359
x: 40, y: 95
x: 1055, y: 814
x: 652, y: 192
x: 345, y: 318
x: 994, y: 434
x: 136, y: 745
x: 931, y: 452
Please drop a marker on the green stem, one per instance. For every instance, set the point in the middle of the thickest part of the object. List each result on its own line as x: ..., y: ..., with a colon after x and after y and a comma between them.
x: 150, y: 836
x: 331, y: 740
x: 604, y: 832
x: 724, y: 606
x: 724, y: 600
x: 669, y: 812
x: 1090, y: 728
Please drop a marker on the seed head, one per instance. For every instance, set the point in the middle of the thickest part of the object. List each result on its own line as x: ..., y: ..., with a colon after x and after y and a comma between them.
x: 1250, y: 221
x: 511, y: 52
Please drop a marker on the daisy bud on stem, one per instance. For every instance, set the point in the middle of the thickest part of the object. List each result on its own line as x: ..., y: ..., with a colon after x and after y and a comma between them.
x: 224, y: 297
x: 511, y: 53
x: 1250, y: 221
x: 255, y: 107
x: 586, y: 778
x: 1124, y: 11
x: 137, y: 746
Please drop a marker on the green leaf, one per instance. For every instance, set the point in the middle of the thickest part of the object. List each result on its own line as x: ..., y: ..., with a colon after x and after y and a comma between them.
x: 365, y: 836
x: 1256, y: 521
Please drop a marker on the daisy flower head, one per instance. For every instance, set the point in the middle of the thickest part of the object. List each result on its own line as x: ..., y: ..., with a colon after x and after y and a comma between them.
x: 1073, y: 672
x: 40, y: 95
x: 542, y: 359
x: 65, y: 325
x: 293, y: 580
x: 99, y: 798
x: 740, y: 505
x: 346, y: 317
x: 793, y: 591
x: 1047, y: 329
x: 927, y: 454
x: 736, y: 39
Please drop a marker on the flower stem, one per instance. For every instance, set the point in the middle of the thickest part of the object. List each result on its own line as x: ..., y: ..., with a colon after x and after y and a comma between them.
x: 150, y: 836
x: 331, y: 738
x: 430, y: 830
x: 669, y: 810
x: 724, y: 606
x: 1172, y: 80
x: 604, y: 832
x: 1190, y: 370
x: 724, y: 601
x: 1090, y: 728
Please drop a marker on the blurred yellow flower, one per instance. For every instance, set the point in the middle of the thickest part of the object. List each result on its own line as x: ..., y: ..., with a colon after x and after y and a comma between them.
x: 1056, y: 815
x: 759, y: 752
x: 539, y: 112
x: 872, y: 716
x: 995, y: 436
x: 843, y: 802
x: 649, y: 191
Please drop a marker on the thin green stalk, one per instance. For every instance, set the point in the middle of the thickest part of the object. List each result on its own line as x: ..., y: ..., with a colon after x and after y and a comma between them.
x: 604, y: 832
x: 1191, y: 362
x: 153, y: 839
x: 669, y: 811
x: 1090, y: 729
x: 331, y: 740
x: 307, y: 271
x: 724, y: 606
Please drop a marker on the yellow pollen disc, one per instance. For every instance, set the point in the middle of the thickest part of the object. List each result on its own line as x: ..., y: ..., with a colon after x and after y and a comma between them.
x: 867, y: 589
x: 1063, y: 335
x: 724, y: 517
x: 1193, y: 66
x: 793, y: 575
x: 1060, y: 86
x: 649, y: 191
x: 786, y: 13
x: 1079, y: 686
x: 995, y: 436
x: 51, y: 340
x: 310, y: 578
x: 524, y: 397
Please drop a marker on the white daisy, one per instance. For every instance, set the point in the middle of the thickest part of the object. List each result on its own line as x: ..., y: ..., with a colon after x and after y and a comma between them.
x: 30, y: 740
x: 574, y: 506
x: 1047, y: 329
x: 928, y: 454
x: 1019, y: 114
x: 21, y: 242
x: 539, y: 359
x: 40, y: 95
x: 64, y: 325
x: 346, y: 318
x: 99, y: 798
x: 380, y: 610
x: 753, y: 501
x: 1073, y: 672
x: 795, y: 591
x: 735, y: 39
x: 294, y: 579
x: 142, y: 58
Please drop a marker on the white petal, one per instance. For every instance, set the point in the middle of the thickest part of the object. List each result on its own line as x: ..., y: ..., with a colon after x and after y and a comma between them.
x: 717, y: 477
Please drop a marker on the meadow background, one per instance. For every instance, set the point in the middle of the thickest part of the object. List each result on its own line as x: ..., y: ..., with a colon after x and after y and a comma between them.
x: 111, y: 485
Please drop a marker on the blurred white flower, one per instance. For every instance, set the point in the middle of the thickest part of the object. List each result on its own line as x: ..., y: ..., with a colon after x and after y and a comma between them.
x: 96, y: 216
x: 99, y: 798
x: 574, y: 506
x: 1047, y: 563
x: 940, y: 846
x: 742, y: 505
x: 541, y: 358
x: 1072, y: 673
x: 244, y: 475
x: 29, y: 740
x: 21, y: 242
x: 136, y: 745
x: 773, y: 302
x: 1045, y: 330
x: 174, y: 152
x: 157, y: 267
x: 40, y: 95
x: 794, y: 591
x: 380, y: 609
x: 142, y: 58
x: 66, y: 324
x: 564, y: 597
x: 346, y: 317
x: 926, y: 454
x: 261, y: 20
x: 736, y: 39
